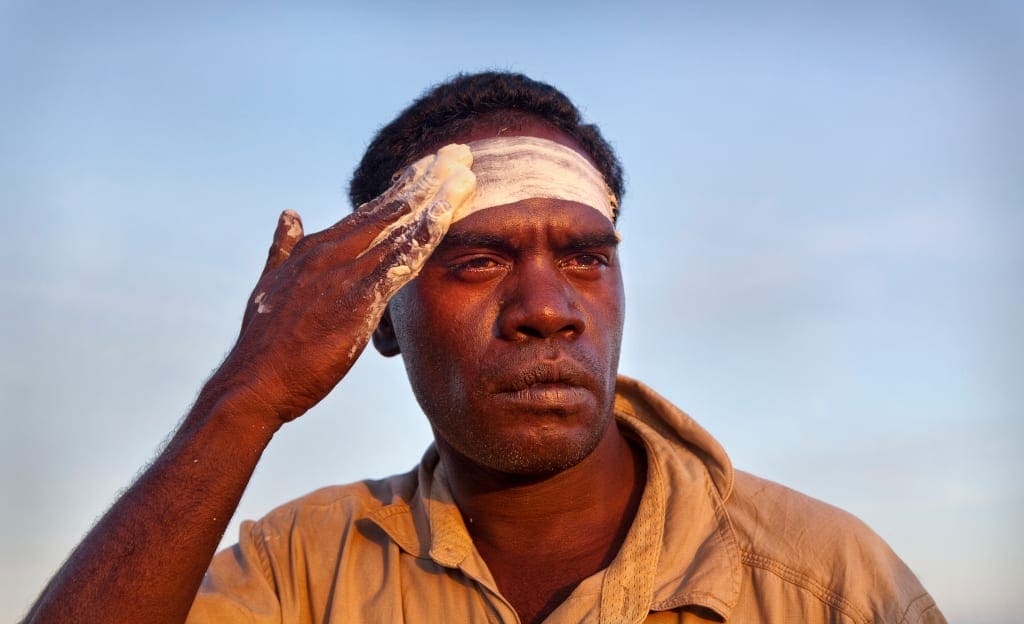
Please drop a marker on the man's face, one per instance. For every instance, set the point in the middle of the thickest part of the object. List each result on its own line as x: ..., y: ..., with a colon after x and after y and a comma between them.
x: 510, y: 334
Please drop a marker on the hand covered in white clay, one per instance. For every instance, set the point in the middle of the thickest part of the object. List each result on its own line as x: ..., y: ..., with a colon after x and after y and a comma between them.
x: 321, y: 296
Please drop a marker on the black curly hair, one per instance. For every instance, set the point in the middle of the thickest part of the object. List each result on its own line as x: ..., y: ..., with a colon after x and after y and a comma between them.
x: 456, y: 106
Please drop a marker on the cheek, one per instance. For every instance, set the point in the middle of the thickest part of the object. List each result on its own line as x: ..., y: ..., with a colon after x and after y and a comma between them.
x: 413, y: 323
x: 437, y: 333
x: 439, y: 352
x: 607, y: 307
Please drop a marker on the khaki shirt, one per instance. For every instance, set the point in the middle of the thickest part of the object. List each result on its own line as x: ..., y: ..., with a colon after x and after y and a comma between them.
x: 708, y: 544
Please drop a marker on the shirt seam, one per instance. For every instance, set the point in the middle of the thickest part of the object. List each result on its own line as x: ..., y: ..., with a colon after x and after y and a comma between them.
x: 264, y: 555
x: 912, y: 607
x: 799, y: 579
x: 389, y: 511
x: 685, y: 598
x: 292, y: 508
x: 291, y: 512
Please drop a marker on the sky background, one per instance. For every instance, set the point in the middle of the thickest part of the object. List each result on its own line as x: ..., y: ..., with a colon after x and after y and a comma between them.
x: 822, y: 243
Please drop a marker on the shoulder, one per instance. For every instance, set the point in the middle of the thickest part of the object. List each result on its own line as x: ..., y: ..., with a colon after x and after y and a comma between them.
x: 777, y: 519
x: 790, y: 539
x: 331, y: 509
x: 291, y: 560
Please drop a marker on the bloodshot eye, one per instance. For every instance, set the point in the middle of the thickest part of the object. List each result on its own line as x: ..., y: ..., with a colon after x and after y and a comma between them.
x: 586, y: 261
x: 476, y: 268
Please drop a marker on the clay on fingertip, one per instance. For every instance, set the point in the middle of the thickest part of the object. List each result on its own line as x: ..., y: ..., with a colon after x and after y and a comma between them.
x: 291, y: 218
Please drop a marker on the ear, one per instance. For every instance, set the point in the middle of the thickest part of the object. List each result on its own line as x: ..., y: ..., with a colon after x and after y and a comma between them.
x: 384, y: 336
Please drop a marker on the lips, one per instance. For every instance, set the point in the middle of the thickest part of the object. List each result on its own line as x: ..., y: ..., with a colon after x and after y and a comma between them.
x: 560, y: 374
x: 524, y: 371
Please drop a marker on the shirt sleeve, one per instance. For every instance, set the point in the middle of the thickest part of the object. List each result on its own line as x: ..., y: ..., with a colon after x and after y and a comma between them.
x: 238, y: 587
x: 924, y: 611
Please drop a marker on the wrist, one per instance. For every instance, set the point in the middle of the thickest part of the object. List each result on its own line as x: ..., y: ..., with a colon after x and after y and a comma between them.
x: 238, y: 406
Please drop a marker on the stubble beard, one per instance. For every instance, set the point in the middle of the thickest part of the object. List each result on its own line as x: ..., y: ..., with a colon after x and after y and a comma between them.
x: 545, y: 450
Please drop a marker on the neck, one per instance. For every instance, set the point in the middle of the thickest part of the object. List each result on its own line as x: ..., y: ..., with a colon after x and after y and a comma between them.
x: 541, y: 536
x: 595, y: 490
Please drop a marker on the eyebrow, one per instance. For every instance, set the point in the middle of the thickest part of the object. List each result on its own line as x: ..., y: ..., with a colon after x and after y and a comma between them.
x: 489, y: 240
x: 474, y: 239
x: 593, y: 240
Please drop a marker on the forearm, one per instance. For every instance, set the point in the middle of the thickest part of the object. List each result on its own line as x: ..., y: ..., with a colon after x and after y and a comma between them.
x: 144, y: 560
x: 312, y: 312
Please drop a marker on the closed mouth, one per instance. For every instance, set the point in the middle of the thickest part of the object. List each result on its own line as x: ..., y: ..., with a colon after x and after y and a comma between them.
x: 549, y: 378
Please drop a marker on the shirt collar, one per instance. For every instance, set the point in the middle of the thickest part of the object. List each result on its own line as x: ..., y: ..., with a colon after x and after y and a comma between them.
x: 681, y: 550
x: 698, y: 562
x: 426, y: 523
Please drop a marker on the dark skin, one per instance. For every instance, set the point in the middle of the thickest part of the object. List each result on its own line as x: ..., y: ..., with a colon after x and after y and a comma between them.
x: 539, y: 542
x: 145, y: 558
x: 511, y: 337
x: 548, y: 495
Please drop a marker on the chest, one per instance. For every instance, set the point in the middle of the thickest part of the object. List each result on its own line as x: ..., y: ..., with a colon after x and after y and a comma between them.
x: 403, y: 588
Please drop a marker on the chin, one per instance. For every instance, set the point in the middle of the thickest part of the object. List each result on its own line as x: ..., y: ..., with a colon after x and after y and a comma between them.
x: 533, y: 465
x: 521, y: 439
x: 534, y: 457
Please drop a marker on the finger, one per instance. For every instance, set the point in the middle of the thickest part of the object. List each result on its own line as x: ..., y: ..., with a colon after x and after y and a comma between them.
x: 287, y: 234
x: 448, y: 178
x: 400, y: 183
x: 375, y: 215
x: 392, y: 202
x: 447, y: 160
x: 394, y: 265
x: 399, y: 206
x: 420, y: 179
x: 423, y: 231
x: 352, y: 231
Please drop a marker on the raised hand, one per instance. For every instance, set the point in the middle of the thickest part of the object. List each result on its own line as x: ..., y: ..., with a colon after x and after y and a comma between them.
x: 321, y: 296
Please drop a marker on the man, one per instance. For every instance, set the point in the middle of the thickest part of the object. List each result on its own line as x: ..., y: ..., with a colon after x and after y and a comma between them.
x: 484, y: 251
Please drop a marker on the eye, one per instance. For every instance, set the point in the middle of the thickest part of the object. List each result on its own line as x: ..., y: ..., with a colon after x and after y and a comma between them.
x: 476, y: 268
x: 477, y: 264
x: 585, y: 261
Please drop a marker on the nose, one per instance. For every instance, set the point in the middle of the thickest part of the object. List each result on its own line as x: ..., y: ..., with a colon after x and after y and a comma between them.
x: 538, y: 302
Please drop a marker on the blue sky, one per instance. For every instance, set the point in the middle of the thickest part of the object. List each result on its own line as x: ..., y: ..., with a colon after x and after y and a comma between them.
x: 822, y: 243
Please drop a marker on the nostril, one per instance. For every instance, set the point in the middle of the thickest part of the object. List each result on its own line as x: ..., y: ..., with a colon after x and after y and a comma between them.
x: 544, y: 330
x: 526, y: 330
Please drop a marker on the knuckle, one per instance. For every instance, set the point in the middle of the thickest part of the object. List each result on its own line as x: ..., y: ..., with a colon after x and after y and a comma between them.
x: 396, y: 236
x: 423, y: 234
x: 302, y: 246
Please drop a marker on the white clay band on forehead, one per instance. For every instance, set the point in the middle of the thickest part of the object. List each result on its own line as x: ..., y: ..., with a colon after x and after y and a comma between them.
x: 511, y: 169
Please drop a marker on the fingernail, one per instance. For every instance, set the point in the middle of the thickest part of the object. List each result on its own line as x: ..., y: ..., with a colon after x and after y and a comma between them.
x: 293, y: 222
x: 458, y: 152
